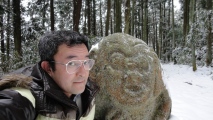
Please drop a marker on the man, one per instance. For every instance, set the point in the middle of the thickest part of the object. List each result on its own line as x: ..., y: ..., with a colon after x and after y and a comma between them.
x: 60, y: 88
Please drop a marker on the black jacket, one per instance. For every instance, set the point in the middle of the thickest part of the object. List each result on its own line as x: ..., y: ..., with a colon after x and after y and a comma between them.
x: 50, y: 101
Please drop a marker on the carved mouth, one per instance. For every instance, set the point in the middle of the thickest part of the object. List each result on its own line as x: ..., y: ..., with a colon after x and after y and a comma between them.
x: 133, y: 90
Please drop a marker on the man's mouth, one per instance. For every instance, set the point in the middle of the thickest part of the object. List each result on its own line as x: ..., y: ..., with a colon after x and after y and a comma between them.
x: 79, y: 81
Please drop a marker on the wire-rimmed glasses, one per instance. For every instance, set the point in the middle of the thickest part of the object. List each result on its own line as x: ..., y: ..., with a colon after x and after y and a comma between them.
x: 73, y: 65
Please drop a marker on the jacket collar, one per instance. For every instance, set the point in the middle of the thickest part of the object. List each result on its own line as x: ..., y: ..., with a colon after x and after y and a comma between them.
x: 43, y: 83
x: 48, y: 85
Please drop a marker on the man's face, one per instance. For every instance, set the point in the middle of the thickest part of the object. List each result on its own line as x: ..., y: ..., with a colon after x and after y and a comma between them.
x: 70, y: 83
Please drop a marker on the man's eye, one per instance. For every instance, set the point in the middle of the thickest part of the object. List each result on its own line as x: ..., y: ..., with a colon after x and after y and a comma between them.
x: 86, y: 62
x: 71, y: 63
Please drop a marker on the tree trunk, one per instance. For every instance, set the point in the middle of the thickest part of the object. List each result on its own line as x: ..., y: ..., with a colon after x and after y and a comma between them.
x: 44, y: 14
x: 157, y: 39
x: 209, y: 37
x: 94, y: 19
x: 2, y: 40
x: 8, y: 30
x: 154, y: 35
x: 186, y: 20
x: 107, y: 17
x: 3, y: 56
x: 111, y: 26
x: 145, y: 21
x: 142, y: 17
x: 88, y: 16
x: 114, y: 22
x: 127, y: 17
x: 138, y: 25
x: 52, y: 15
x: 118, y: 16
x: 169, y: 40
x: 173, y: 23
x: 17, y: 27
x: 101, y: 23
x: 164, y: 41
x: 85, y: 19
x: 76, y: 14
x: 193, y: 43
x: 160, y: 33
x: 140, y: 20
x: 132, y: 30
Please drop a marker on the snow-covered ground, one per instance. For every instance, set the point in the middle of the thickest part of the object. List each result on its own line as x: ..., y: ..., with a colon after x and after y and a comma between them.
x: 191, y: 92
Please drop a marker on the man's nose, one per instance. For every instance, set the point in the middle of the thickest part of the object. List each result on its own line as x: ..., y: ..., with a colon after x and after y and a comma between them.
x: 81, y: 71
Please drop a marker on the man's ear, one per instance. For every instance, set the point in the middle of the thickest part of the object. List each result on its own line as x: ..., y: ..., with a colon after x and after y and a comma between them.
x: 45, y: 65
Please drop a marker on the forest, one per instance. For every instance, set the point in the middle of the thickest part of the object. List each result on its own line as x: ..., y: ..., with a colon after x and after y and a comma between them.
x: 180, y: 36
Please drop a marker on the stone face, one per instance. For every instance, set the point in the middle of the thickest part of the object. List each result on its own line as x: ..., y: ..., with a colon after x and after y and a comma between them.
x: 129, y: 75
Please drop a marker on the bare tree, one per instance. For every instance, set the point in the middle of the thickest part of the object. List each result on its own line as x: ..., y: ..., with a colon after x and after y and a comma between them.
x: 94, y: 18
x: 101, y: 23
x: 118, y: 16
x: 76, y: 14
x: 132, y: 18
x: 160, y: 33
x: 209, y: 37
x: 8, y: 30
x: 85, y: 18
x: 186, y: 20
x: 52, y: 18
x: 173, y: 22
x: 127, y: 17
x: 2, y: 38
x: 145, y: 22
x: 107, y: 17
x: 17, y: 27
x: 192, y: 19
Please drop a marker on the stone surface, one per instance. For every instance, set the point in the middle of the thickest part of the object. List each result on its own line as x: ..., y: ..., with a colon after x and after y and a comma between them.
x: 129, y: 75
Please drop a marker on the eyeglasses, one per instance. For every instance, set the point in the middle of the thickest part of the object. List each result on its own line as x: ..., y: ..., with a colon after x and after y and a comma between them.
x: 73, y: 65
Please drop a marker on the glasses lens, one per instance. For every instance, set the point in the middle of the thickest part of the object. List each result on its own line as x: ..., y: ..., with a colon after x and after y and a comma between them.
x: 73, y: 66
x: 88, y: 64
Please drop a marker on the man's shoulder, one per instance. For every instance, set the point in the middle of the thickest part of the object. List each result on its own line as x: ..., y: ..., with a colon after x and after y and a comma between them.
x: 16, y: 86
x: 25, y: 93
x: 27, y: 70
x: 15, y: 103
x: 15, y: 80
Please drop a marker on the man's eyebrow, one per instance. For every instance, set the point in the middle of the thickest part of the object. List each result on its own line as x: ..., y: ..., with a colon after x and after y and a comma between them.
x: 87, y: 56
x: 73, y: 56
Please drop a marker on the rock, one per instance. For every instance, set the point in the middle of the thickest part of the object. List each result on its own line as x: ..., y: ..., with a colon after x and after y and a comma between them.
x: 129, y: 75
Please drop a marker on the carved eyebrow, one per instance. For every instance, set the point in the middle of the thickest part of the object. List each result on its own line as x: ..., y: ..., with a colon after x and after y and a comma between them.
x: 115, y: 54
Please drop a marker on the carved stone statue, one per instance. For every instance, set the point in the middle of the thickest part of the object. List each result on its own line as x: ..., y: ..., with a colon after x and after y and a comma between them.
x: 129, y: 75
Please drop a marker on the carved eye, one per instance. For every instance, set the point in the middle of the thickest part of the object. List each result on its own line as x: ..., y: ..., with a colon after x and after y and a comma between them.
x: 143, y: 64
x: 117, y: 60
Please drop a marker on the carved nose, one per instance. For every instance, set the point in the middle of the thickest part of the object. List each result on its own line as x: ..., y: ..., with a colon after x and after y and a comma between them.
x: 133, y: 84
x: 133, y: 77
x: 131, y: 66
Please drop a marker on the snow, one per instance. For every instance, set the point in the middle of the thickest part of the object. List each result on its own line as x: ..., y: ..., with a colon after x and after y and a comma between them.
x: 177, y: 5
x: 191, y: 92
x: 95, y: 46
